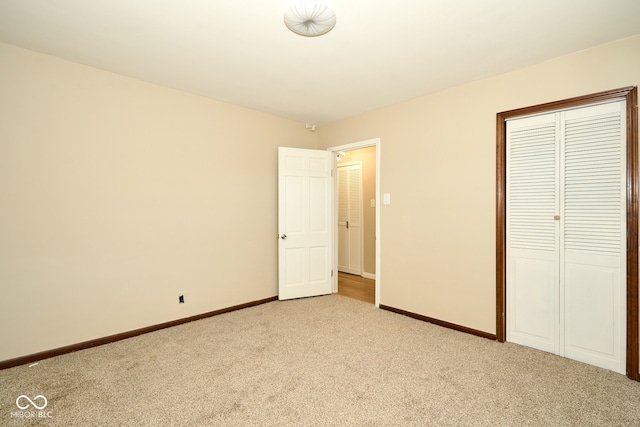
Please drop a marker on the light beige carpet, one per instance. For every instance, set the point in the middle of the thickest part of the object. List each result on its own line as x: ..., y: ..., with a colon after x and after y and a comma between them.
x: 318, y: 361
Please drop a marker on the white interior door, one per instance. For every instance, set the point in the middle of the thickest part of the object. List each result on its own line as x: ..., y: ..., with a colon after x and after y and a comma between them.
x: 566, y: 233
x: 350, y: 237
x: 305, y: 222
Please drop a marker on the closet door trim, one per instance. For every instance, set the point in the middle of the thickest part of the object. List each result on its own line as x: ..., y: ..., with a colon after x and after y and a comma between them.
x: 629, y: 94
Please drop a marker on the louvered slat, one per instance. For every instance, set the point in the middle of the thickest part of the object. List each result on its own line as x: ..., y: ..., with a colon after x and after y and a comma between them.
x: 354, y: 194
x: 531, y: 180
x: 343, y: 195
x: 592, y: 184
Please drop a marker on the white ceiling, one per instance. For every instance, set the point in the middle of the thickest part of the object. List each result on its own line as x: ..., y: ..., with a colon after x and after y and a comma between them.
x: 379, y: 53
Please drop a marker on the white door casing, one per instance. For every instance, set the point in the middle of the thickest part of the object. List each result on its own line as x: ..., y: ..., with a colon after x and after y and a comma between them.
x: 305, y: 222
x: 350, y: 227
x: 566, y: 233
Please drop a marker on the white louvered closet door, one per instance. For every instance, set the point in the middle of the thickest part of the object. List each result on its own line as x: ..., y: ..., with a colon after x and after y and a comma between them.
x: 566, y: 234
x: 532, y: 233
x: 594, y: 238
x: 350, y: 237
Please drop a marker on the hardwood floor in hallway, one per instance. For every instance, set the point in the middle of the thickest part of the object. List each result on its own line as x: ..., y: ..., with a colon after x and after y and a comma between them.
x: 357, y: 287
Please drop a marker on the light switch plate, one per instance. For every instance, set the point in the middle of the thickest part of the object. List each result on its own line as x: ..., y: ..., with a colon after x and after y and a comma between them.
x: 386, y: 198
x: 373, y: 203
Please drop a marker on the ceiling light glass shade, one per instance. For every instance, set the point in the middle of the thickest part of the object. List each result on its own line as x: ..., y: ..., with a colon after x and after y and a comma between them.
x: 310, y: 18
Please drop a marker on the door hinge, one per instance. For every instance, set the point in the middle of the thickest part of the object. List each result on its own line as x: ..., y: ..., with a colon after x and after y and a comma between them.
x: 347, y: 224
x: 332, y: 272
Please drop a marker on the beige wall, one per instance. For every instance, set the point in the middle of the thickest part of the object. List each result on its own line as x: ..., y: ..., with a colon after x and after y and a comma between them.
x: 117, y: 195
x: 368, y: 158
x: 438, y: 164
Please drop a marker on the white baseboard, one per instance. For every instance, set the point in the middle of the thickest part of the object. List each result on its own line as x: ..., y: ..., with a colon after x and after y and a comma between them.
x: 368, y: 275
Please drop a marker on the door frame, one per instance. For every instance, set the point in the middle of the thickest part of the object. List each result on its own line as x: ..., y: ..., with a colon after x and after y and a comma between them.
x: 630, y: 94
x: 374, y: 142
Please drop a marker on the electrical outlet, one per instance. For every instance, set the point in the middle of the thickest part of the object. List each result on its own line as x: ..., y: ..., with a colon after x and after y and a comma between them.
x: 181, y: 299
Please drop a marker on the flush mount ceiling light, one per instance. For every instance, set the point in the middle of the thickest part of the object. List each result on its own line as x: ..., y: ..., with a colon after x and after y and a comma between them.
x: 309, y: 18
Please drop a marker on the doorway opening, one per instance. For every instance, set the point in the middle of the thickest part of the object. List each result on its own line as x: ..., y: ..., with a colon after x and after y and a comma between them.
x: 357, y: 219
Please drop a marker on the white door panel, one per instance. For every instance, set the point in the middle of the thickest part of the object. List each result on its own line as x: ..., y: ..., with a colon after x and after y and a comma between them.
x: 594, y: 234
x: 355, y: 248
x: 533, y: 302
x: 305, y: 218
x: 532, y: 243
x: 592, y: 326
x: 343, y: 248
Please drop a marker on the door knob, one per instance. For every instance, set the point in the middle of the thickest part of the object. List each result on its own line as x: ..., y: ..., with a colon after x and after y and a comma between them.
x: 283, y: 236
